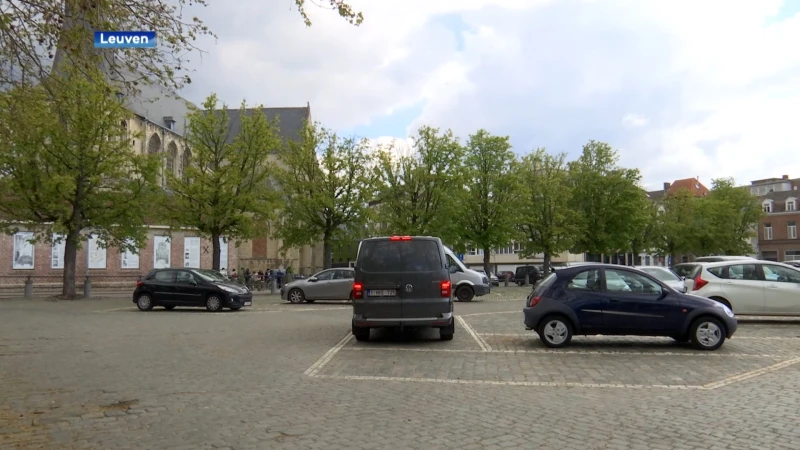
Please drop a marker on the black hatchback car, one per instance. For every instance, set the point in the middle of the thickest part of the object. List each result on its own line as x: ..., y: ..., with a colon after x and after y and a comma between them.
x: 609, y: 299
x: 190, y: 287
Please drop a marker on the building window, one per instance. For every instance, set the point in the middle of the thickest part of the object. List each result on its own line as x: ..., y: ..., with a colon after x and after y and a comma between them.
x: 767, y: 206
x: 792, y: 255
x: 767, y: 231
x: 792, y: 226
x: 791, y: 204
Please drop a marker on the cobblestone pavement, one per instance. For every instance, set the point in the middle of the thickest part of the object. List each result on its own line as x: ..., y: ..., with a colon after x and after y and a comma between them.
x: 100, y: 374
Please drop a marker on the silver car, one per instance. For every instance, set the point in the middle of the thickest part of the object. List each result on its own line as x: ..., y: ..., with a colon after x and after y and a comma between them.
x: 666, y: 276
x: 329, y: 284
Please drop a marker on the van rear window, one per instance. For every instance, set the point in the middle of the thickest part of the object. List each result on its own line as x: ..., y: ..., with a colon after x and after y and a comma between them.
x: 399, y: 256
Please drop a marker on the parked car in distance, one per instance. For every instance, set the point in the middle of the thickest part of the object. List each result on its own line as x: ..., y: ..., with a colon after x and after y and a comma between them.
x: 329, y: 284
x: 750, y: 287
x: 402, y: 282
x: 617, y: 300
x: 687, y: 271
x: 667, y: 276
x: 793, y: 263
x: 533, y: 273
x: 506, y: 273
x: 466, y: 283
x: 492, y: 277
x: 171, y: 288
x: 721, y: 258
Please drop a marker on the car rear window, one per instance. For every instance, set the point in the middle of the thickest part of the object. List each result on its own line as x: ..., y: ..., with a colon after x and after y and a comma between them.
x: 544, y: 285
x: 399, y: 256
x: 164, y: 275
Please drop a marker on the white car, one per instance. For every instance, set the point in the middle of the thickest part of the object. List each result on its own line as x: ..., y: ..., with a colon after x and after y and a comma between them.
x: 666, y: 276
x: 750, y: 286
x: 492, y: 277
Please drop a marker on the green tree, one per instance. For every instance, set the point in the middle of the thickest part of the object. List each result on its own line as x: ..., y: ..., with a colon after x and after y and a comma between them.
x: 226, y: 188
x: 35, y: 33
x: 679, y: 225
x: 67, y: 166
x: 419, y: 193
x: 608, y: 198
x: 327, y: 185
x: 732, y: 215
x: 646, y: 236
x: 485, y: 214
x: 546, y: 221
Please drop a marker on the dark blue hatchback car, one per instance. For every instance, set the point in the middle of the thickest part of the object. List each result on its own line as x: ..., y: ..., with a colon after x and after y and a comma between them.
x: 609, y: 299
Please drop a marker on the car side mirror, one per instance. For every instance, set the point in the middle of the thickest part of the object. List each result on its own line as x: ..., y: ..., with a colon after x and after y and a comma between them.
x: 312, y: 279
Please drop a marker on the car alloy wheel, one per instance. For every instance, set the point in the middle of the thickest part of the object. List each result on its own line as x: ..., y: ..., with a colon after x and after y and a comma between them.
x: 296, y: 296
x: 707, y: 334
x: 144, y: 302
x: 213, y: 303
x: 555, y: 332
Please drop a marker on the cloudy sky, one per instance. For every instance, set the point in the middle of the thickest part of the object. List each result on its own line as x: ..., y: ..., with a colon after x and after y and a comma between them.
x: 682, y: 88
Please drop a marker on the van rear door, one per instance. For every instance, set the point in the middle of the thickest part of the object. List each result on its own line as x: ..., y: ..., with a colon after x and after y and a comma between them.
x: 379, y: 269
x: 424, y: 271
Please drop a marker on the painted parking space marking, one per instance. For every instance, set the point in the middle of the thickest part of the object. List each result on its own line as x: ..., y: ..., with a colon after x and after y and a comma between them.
x: 481, y: 343
x: 693, y: 354
x: 231, y: 314
x: 751, y: 374
x: 326, y: 358
x: 533, y: 335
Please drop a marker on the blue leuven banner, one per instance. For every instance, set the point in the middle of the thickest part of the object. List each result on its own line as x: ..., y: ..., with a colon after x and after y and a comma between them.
x: 125, y: 39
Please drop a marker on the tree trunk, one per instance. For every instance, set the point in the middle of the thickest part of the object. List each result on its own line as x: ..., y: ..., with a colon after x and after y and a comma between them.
x: 487, y: 255
x: 70, y: 260
x: 546, y: 264
x: 327, y: 250
x: 216, y: 251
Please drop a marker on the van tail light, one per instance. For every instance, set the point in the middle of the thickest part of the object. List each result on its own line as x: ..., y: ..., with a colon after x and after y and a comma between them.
x: 400, y: 238
x: 358, y: 291
x: 534, y: 301
x: 699, y: 282
x: 446, y: 289
x: 139, y: 283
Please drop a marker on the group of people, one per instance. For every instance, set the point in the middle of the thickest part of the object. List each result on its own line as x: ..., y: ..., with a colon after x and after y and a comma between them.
x: 248, y: 277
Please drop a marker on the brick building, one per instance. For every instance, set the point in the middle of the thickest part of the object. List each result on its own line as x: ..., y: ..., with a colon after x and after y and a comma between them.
x: 777, y: 230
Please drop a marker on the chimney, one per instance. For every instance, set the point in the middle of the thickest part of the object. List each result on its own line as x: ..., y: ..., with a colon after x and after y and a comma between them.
x: 785, y: 177
x: 666, y: 186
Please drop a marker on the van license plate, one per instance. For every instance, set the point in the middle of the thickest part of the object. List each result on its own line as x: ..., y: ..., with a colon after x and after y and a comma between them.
x: 382, y: 293
x: 248, y: 303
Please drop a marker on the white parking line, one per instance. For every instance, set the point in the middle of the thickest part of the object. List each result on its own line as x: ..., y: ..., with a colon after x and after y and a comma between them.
x: 694, y: 354
x: 481, y: 343
x: 533, y: 335
x: 508, y: 383
x: 751, y: 374
x: 490, y: 313
x: 326, y: 358
x: 245, y: 312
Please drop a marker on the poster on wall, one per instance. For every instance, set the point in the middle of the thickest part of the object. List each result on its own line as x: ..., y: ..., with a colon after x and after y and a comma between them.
x: 191, y: 252
x: 97, y: 254
x: 161, y: 252
x: 130, y: 259
x: 57, y: 251
x: 23, y: 250
x: 223, y: 253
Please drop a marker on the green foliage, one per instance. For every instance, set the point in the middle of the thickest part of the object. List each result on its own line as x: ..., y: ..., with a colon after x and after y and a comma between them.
x: 680, y: 223
x: 67, y: 165
x: 419, y: 193
x: 648, y: 234
x: 226, y: 189
x: 327, y: 184
x: 483, y: 215
x: 608, y: 198
x: 546, y: 221
x: 342, y: 8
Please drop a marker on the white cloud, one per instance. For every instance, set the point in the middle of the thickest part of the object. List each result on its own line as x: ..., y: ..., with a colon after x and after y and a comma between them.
x: 706, y: 88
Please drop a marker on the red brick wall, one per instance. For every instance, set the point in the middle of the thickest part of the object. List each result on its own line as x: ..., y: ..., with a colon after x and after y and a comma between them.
x: 113, y: 273
x: 259, y: 247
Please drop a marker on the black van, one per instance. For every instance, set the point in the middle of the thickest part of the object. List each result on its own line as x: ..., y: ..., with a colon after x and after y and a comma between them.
x: 402, y: 281
x: 533, y: 273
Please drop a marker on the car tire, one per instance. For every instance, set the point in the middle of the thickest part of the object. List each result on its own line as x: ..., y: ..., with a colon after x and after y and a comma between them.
x: 555, y: 331
x: 465, y: 294
x: 361, y: 333
x: 707, y: 333
x: 446, y: 333
x: 169, y: 307
x: 144, y: 302
x: 296, y: 296
x: 214, y: 303
x: 235, y: 308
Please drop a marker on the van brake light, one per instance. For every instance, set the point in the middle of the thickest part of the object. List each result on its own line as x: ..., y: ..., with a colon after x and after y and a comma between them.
x: 446, y: 289
x: 400, y: 238
x: 358, y: 291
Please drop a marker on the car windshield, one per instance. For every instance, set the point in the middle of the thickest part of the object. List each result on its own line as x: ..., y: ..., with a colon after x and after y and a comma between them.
x: 661, y: 274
